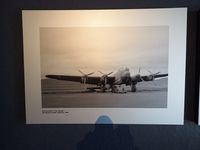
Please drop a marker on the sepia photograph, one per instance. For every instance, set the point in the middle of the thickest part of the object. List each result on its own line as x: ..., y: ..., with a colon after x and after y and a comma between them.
x: 104, y: 66
x: 126, y: 65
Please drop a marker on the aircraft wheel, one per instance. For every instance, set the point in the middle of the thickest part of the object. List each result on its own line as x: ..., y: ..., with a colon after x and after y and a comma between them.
x: 133, y: 88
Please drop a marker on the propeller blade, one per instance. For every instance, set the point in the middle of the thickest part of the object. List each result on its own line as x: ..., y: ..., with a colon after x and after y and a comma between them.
x: 104, y: 73
x: 85, y: 74
x: 101, y: 72
x: 90, y: 73
x: 81, y: 72
x: 105, y: 81
x: 150, y: 72
x: 139, y: 70
x: 109, y: 73
x: 157, y: 73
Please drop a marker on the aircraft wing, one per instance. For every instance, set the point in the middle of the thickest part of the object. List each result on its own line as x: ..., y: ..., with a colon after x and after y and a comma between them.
x: 90, y: 80
x: 152, y: 77
x: 160, y: 75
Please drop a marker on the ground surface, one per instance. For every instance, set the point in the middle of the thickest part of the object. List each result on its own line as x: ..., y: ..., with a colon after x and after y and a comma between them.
x: 66, y: 94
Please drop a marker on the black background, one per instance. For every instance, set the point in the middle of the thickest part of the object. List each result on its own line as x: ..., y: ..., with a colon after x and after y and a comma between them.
x: 15, y: 134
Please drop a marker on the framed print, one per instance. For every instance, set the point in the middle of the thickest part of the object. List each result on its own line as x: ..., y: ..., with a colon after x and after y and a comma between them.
x: 127, y: 65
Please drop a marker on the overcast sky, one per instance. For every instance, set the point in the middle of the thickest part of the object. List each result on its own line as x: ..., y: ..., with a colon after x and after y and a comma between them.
x: 65, y: 50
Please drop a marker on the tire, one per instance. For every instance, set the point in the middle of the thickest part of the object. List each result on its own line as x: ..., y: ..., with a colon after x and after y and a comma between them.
x: 133, y: 88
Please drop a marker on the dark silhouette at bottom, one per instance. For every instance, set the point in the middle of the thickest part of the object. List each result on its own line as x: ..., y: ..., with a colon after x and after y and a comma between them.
x: 106, y: 137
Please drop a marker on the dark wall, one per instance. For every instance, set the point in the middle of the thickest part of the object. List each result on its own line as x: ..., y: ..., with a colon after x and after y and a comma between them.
x: 15, y: 134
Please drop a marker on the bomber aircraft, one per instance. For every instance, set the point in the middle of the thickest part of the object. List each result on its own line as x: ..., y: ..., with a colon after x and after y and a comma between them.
x: 121, y: 82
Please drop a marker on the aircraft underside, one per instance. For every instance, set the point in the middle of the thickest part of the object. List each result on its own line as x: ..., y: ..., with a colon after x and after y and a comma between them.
x: 122, y: 88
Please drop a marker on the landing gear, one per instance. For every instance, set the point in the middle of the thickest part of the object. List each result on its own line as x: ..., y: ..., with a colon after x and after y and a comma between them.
x: 122, y: 88
x: 133, y: 88
x: 103, y: 89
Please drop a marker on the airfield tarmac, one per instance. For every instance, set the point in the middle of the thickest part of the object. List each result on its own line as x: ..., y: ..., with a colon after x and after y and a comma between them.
x: 66, y: 94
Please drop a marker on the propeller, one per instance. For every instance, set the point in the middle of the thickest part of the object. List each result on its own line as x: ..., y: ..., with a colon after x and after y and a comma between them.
x: 85, y: 76
x: 152, y: 75
x: 104, y: 77
x: 138, y: 76
x: 139, y: 70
